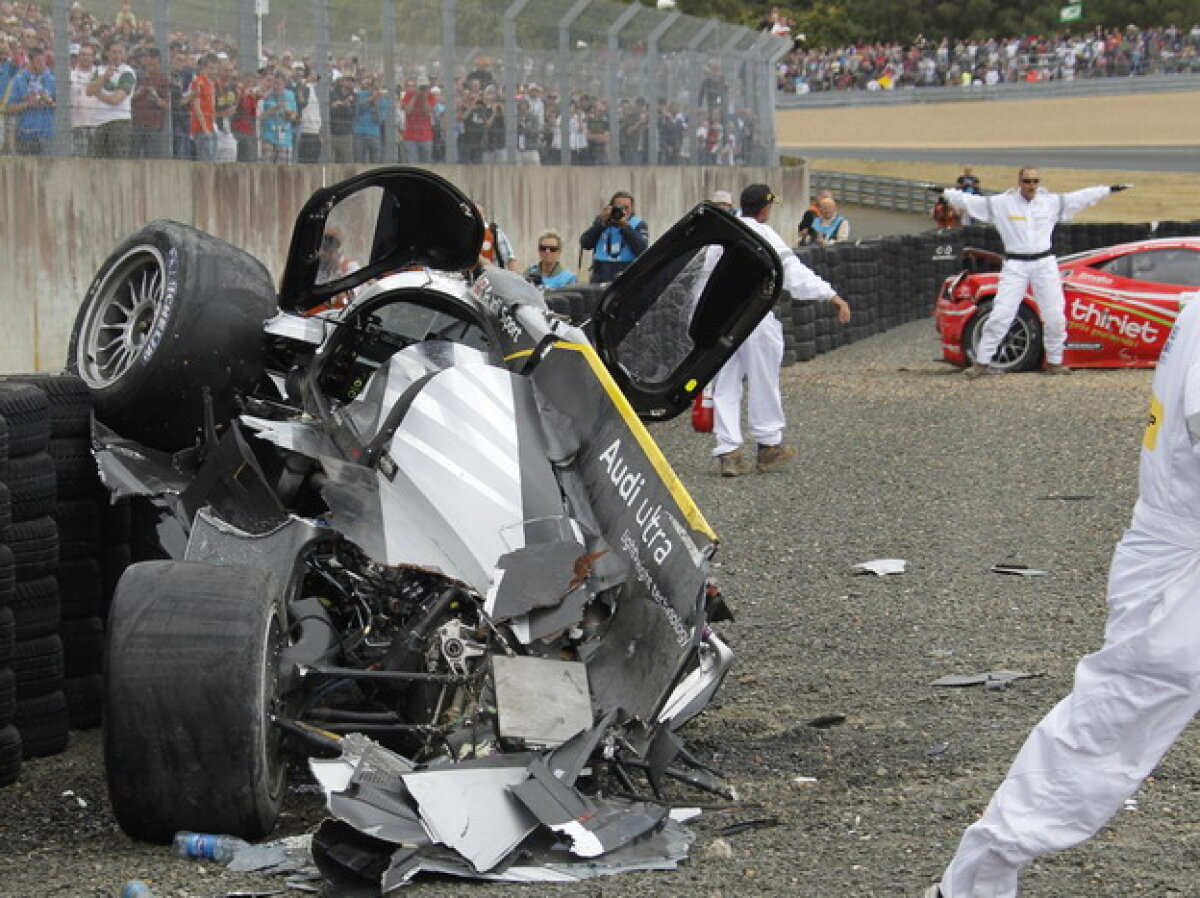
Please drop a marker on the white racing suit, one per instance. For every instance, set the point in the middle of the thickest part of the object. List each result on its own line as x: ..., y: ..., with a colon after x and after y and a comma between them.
x: 758, y: 359
x: 1026, y: 229
x: 1135, y: 695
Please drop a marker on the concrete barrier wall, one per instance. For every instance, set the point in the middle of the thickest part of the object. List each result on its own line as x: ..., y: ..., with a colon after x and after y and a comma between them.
x: 61, y: 218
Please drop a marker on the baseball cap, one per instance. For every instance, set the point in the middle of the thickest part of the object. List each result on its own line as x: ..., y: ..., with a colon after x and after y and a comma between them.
x: 756, y: 196
x: 722, y: 196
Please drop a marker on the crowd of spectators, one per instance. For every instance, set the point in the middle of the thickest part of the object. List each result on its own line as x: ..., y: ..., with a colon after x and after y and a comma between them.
x: 126, y: 100
x: 199, y: 104
x: 1101, y: 53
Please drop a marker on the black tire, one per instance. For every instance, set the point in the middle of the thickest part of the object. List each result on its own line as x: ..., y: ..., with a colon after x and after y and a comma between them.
x: 36, y: 609
x: 83, y: 646
x: 1021, y: 348
x: 26, y: 409
x: 8, y: 573
x: 8, y: 695
x: 69, y: 399
x: 43, y: 724
x: 38, y: 666
x: 85, y: 699
x: 80, y: 587
x: 31, y: 481
x: 78, y: 523
x: 172, y: 311
x: 10, y: 755
x: 34, y: 546
x: 192, y: 674
x: 8, y: 639
x: 75, y: 468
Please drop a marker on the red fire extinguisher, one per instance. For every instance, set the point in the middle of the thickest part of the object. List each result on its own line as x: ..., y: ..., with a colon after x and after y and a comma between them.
x: 702, y: 411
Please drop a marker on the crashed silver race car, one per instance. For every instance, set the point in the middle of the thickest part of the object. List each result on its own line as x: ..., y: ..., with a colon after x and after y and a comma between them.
x: 412, y: 528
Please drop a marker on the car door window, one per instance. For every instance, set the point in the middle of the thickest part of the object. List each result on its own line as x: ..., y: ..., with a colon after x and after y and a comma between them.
x: 1176, y: 266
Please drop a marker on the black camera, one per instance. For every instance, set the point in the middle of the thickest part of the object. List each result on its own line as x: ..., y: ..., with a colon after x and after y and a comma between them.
x: 616, y: 216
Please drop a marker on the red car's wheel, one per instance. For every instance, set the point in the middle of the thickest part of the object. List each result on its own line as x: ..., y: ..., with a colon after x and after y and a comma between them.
x: 1021, y: 348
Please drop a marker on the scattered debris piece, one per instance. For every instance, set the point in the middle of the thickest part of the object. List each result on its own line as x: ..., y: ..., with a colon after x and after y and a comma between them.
x: 881, y: 566
x: 1019, y: 570
x: 804, y: 780
x: 1066, y: 498
x: 742, y: 825
x: 939, y: 749
x: 825, y: 721
x: 993, y: 679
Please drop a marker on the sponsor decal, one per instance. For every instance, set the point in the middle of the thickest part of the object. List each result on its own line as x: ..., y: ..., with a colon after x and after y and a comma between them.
x: 1093, y: 277
x: 648, y: 516
x: 683, y: 635
x: 1089, y: 346
x: 163, y: 314
x: 1115, y: 325
x: 482, y: 291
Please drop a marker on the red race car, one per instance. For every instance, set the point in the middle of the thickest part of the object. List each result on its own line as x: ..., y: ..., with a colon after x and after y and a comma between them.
x: 1121, y: 303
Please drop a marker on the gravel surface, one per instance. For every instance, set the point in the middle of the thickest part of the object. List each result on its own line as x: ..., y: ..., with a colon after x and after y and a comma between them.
x: 899, y: 457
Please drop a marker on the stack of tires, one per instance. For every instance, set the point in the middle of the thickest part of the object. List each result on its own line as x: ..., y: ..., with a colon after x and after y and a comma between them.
x: 64, y: 545
x: 10, y: 736
x: 31, y: 534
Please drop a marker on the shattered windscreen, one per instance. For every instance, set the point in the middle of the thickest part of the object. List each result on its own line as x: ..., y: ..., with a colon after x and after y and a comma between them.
x: 661, y: 339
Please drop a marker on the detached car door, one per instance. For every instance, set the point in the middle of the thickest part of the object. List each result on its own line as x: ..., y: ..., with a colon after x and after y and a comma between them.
x: 671, y: 320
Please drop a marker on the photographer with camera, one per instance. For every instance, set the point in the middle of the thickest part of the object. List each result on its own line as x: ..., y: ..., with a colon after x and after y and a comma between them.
x: 616, y: 237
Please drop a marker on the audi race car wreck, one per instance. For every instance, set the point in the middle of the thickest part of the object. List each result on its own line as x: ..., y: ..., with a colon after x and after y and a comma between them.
x: 413, y: 529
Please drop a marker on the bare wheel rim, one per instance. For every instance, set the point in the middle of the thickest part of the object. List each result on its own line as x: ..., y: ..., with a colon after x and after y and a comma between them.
x: 121, y: 317
x: 1012, y: 349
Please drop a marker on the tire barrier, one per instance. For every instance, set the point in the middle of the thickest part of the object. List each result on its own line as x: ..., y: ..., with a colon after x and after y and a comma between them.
x: 63, y: 544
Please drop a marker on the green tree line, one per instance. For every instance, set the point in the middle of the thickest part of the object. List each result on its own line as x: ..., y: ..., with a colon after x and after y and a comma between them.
x: 832, y: 22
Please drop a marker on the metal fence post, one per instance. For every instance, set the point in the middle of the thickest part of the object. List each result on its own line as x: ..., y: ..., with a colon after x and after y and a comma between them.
x: 449, y: 123
x: 564, y: 76
x: 389, y: 149
x: 511, y: 72
x: 610, y: 72
x: 653, y: 88
x: 61, y: 143
x: 321, y: 14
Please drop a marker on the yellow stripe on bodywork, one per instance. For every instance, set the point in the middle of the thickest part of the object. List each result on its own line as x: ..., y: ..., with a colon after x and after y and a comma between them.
x: 520, y: 354
x: 661, y: 466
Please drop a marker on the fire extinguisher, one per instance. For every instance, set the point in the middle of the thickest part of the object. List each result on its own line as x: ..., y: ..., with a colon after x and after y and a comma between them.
x: 702, y: 411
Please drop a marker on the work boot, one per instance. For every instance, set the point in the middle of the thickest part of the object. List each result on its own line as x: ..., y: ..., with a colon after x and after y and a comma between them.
x: 732, y: 464
x: 932, y: 892
x: 1052, y: 368
x: 774, y: 458
x: 976, y: 370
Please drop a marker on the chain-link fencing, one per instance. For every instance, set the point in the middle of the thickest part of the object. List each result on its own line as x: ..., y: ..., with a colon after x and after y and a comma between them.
x: 589, y: 82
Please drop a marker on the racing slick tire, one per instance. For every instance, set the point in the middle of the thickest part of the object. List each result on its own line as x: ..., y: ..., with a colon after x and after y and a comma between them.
x: 192, y: 677
x: 1021, y: 348
x: 171, y: 312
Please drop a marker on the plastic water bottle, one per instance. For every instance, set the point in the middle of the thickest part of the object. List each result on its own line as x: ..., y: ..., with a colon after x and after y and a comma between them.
x: 135, y: 888
x: 207, y: 846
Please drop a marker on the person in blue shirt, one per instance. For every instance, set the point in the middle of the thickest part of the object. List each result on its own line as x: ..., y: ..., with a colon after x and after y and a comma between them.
x: 548, y: 272
x: 617, y: 237
x: 276, y: 119
x: 369, y: 116
x: 31, y: 102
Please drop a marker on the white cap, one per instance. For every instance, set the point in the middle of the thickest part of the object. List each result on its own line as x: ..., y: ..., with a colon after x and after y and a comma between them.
x: 722, y: 196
